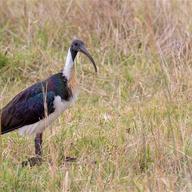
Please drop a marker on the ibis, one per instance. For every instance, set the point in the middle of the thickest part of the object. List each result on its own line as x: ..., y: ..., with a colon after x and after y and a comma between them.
x: 36, y: 107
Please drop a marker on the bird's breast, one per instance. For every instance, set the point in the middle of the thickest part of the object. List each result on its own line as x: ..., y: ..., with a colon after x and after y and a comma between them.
x: 73, y: 84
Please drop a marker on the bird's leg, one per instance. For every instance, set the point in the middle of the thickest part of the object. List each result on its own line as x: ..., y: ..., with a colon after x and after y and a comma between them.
x: 38, y: 152
x: 38, y: 145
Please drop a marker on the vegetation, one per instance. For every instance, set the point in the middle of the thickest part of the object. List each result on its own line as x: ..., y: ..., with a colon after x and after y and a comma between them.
x: 131, y: 126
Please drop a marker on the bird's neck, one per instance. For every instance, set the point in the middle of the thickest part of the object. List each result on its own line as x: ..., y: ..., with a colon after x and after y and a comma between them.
x: 69, y: 70
x: 69, y: 64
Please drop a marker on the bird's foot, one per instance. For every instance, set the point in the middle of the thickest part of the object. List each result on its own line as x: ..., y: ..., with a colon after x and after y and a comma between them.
x: 70, y: 159
x: 37, y: 160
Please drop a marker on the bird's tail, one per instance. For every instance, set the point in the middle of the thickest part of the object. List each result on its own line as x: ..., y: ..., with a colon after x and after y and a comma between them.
x: 0, y: 122
x: 0, y: 138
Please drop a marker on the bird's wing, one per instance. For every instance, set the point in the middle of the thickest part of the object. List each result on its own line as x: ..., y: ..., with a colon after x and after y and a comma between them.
x: 27, y: 108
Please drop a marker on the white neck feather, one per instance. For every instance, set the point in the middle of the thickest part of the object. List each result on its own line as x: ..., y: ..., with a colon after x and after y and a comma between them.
x: 68, y: 65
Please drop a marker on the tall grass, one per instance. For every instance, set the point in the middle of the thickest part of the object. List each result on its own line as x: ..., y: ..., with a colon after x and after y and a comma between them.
x: 131, y: 127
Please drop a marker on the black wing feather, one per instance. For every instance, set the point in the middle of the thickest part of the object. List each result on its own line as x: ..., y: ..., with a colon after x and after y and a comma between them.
x: 28, y: 107
x: 25, y: 109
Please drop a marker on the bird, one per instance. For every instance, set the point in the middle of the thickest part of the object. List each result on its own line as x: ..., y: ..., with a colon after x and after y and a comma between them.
x: 32, y: 110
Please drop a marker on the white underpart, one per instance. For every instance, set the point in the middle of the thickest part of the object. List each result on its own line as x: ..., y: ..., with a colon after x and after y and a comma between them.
x: 68, y: 65
x: 38, y: 127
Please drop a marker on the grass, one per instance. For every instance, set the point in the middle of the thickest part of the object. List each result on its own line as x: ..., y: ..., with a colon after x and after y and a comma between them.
x: 131, y: 126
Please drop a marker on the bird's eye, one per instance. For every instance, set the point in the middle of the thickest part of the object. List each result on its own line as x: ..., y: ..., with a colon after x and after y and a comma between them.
x: 76, y: 44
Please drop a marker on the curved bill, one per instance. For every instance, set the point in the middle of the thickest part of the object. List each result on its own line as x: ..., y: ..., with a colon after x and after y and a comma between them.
x: 84, y: 50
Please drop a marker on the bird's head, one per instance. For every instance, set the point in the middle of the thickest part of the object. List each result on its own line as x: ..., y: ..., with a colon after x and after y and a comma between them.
x: 79, y: 46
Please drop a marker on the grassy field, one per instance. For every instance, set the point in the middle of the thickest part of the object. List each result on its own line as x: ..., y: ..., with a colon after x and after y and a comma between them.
x: 131, y: 128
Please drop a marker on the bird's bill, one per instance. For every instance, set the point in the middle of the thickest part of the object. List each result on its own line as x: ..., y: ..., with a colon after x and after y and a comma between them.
x: 84, y: 51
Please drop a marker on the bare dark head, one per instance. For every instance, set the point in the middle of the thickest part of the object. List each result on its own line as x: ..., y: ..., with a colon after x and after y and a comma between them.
x: 79, y: 46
